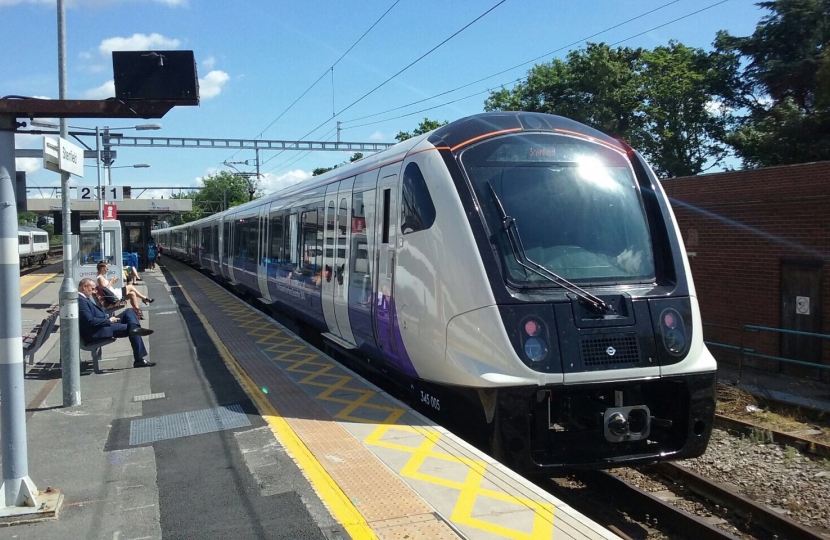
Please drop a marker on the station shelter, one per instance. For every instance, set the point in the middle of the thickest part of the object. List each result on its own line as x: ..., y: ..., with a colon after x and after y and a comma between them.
x: 138, y: 217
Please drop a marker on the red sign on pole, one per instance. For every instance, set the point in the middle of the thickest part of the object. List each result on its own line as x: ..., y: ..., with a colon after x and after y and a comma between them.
x: 110, y: 211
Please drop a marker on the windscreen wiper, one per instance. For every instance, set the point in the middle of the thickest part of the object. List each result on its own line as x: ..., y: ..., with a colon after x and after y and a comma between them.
x: 512, y: 230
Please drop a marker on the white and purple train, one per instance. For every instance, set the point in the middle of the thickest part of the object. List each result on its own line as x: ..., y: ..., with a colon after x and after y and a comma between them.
x: 523, y: 261
x: 32, y: 245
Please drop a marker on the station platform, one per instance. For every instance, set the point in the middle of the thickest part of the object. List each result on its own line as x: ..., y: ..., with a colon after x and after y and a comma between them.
x: 242, y: 429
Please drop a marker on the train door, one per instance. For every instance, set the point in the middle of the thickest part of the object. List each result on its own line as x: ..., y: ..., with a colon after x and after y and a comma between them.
x: 340, y: 277
x: 327, y: 276
x: 385, y: 257
x: 335, y: 261
x: 264, y: 256
x: 220, y: 254
x: 229, y: 247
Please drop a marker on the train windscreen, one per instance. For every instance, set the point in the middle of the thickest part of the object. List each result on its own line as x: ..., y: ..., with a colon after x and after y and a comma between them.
x: 576, y: 206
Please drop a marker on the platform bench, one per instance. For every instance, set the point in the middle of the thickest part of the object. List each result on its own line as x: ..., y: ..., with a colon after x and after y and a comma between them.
x: 94, y: 347
x: 34, y: 340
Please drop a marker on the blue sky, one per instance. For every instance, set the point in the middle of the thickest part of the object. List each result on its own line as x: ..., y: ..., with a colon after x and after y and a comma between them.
x: 256, y: 57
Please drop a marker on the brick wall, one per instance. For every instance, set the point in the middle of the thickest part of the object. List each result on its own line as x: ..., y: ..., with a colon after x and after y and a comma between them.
x: 740, y: 226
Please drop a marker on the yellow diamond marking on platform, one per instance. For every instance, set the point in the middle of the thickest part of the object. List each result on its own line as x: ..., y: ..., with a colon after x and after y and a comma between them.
x: 316, y: 368
x: 470, y: 490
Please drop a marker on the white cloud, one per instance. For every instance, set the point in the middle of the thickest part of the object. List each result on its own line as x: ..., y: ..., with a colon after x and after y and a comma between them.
x: 211, y: 85
x: 140, y: 193
x: 137, y: 42
x: 377, y: 136
x: 209, y: 62
x: 106, y: 90
x: 30, y: 165
x: 716, y: 107
x: 269, y: 183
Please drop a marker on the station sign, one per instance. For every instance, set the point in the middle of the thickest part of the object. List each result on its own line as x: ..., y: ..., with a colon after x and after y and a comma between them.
x: 110, y: 212
x: 60, y: 155
x: 108, y: 193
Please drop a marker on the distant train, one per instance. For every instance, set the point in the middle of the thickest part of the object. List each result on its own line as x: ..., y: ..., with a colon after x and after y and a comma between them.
x: 32, y: 245
x: 523, y: 261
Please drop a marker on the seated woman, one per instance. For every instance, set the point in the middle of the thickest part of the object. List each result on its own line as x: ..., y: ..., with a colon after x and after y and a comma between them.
x: 128, y: 292
x: 131, y: 275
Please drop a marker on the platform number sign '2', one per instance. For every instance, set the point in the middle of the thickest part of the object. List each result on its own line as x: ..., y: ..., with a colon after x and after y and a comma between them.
x: 108, y: 193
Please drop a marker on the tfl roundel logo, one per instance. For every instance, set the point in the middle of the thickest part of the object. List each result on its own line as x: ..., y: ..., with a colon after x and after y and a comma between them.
x: 611, y: 351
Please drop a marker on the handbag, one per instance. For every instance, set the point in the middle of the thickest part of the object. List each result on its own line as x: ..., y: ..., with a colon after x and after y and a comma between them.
x: 107, y: 296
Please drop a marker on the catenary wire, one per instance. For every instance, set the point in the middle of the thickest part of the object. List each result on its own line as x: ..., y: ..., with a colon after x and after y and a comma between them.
x: 330, y: 69
x: 370, y: 92
x: 514, y: 81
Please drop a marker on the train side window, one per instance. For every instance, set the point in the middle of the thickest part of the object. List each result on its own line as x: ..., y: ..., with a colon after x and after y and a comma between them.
x: 252, y: 233
x: 23, y: 240
x: 291, y: 239
x: 360, y: 277
x: 330, y: 217
x: 387, y: 195
x: 277, y: 253
x: 321, y: 218
x: 417, y: 209
x: 237, y: 239
x: 309, y: 240
x: 206, y: 239
x: 226, y: 244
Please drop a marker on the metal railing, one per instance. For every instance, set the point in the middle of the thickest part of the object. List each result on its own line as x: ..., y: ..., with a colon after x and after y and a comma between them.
x: 745, y: 351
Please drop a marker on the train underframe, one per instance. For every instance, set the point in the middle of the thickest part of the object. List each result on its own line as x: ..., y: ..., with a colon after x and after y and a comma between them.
x: 603, y: 426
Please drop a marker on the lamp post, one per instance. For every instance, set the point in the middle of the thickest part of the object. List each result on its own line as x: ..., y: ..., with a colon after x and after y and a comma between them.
x: 109, y: 156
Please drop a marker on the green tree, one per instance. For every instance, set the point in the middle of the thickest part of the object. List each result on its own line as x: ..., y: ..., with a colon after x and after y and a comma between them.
x: 660, y: 101
x: 685, y: 121
x: 425, y: 126
x: 26, y: 218
x: 597, y: 86
x: 210, y: 199
x: 322, y: 170
x: 786, y: 92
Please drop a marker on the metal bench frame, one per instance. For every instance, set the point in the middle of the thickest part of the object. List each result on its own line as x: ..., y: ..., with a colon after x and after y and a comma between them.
x: 33, y: 341
x: 95, y: 347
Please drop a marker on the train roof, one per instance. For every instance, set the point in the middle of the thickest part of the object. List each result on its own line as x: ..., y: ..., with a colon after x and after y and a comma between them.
x: 24, y: 228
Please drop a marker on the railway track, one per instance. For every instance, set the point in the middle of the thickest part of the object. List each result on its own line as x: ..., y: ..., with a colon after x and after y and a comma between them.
x: 634, y: 513
x: 55, y: 256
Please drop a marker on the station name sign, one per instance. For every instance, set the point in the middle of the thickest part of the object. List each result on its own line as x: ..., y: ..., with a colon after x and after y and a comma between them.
x: 62, y: 156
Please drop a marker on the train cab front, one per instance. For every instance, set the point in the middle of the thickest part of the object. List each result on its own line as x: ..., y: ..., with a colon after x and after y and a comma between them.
x: 592, y: 286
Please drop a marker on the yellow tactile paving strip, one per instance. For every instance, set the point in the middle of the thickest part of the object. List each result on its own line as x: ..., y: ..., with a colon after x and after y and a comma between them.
x: 32, y: 281
x: 478, y: 499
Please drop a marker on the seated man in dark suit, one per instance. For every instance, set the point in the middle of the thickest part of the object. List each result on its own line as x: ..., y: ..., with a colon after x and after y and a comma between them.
x: 94, y: 324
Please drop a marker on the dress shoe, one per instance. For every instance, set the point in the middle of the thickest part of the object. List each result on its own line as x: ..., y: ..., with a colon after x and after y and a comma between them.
x: 141, y: 331
x: 143, y: 363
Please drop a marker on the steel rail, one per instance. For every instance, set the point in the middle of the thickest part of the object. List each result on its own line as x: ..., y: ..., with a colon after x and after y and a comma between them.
x: 758, y: 514
x: 644, y: 506
x: 807, y: 446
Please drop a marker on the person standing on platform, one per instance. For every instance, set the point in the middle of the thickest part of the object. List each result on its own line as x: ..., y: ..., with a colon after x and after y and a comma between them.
x: 151, y: 255
x: 95, y: 324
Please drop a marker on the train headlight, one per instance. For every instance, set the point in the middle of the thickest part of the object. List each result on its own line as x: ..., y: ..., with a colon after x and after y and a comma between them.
x: 674, y: 332
x: 531, y: 329
x: 535, y: 349
x: 535, y: 345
